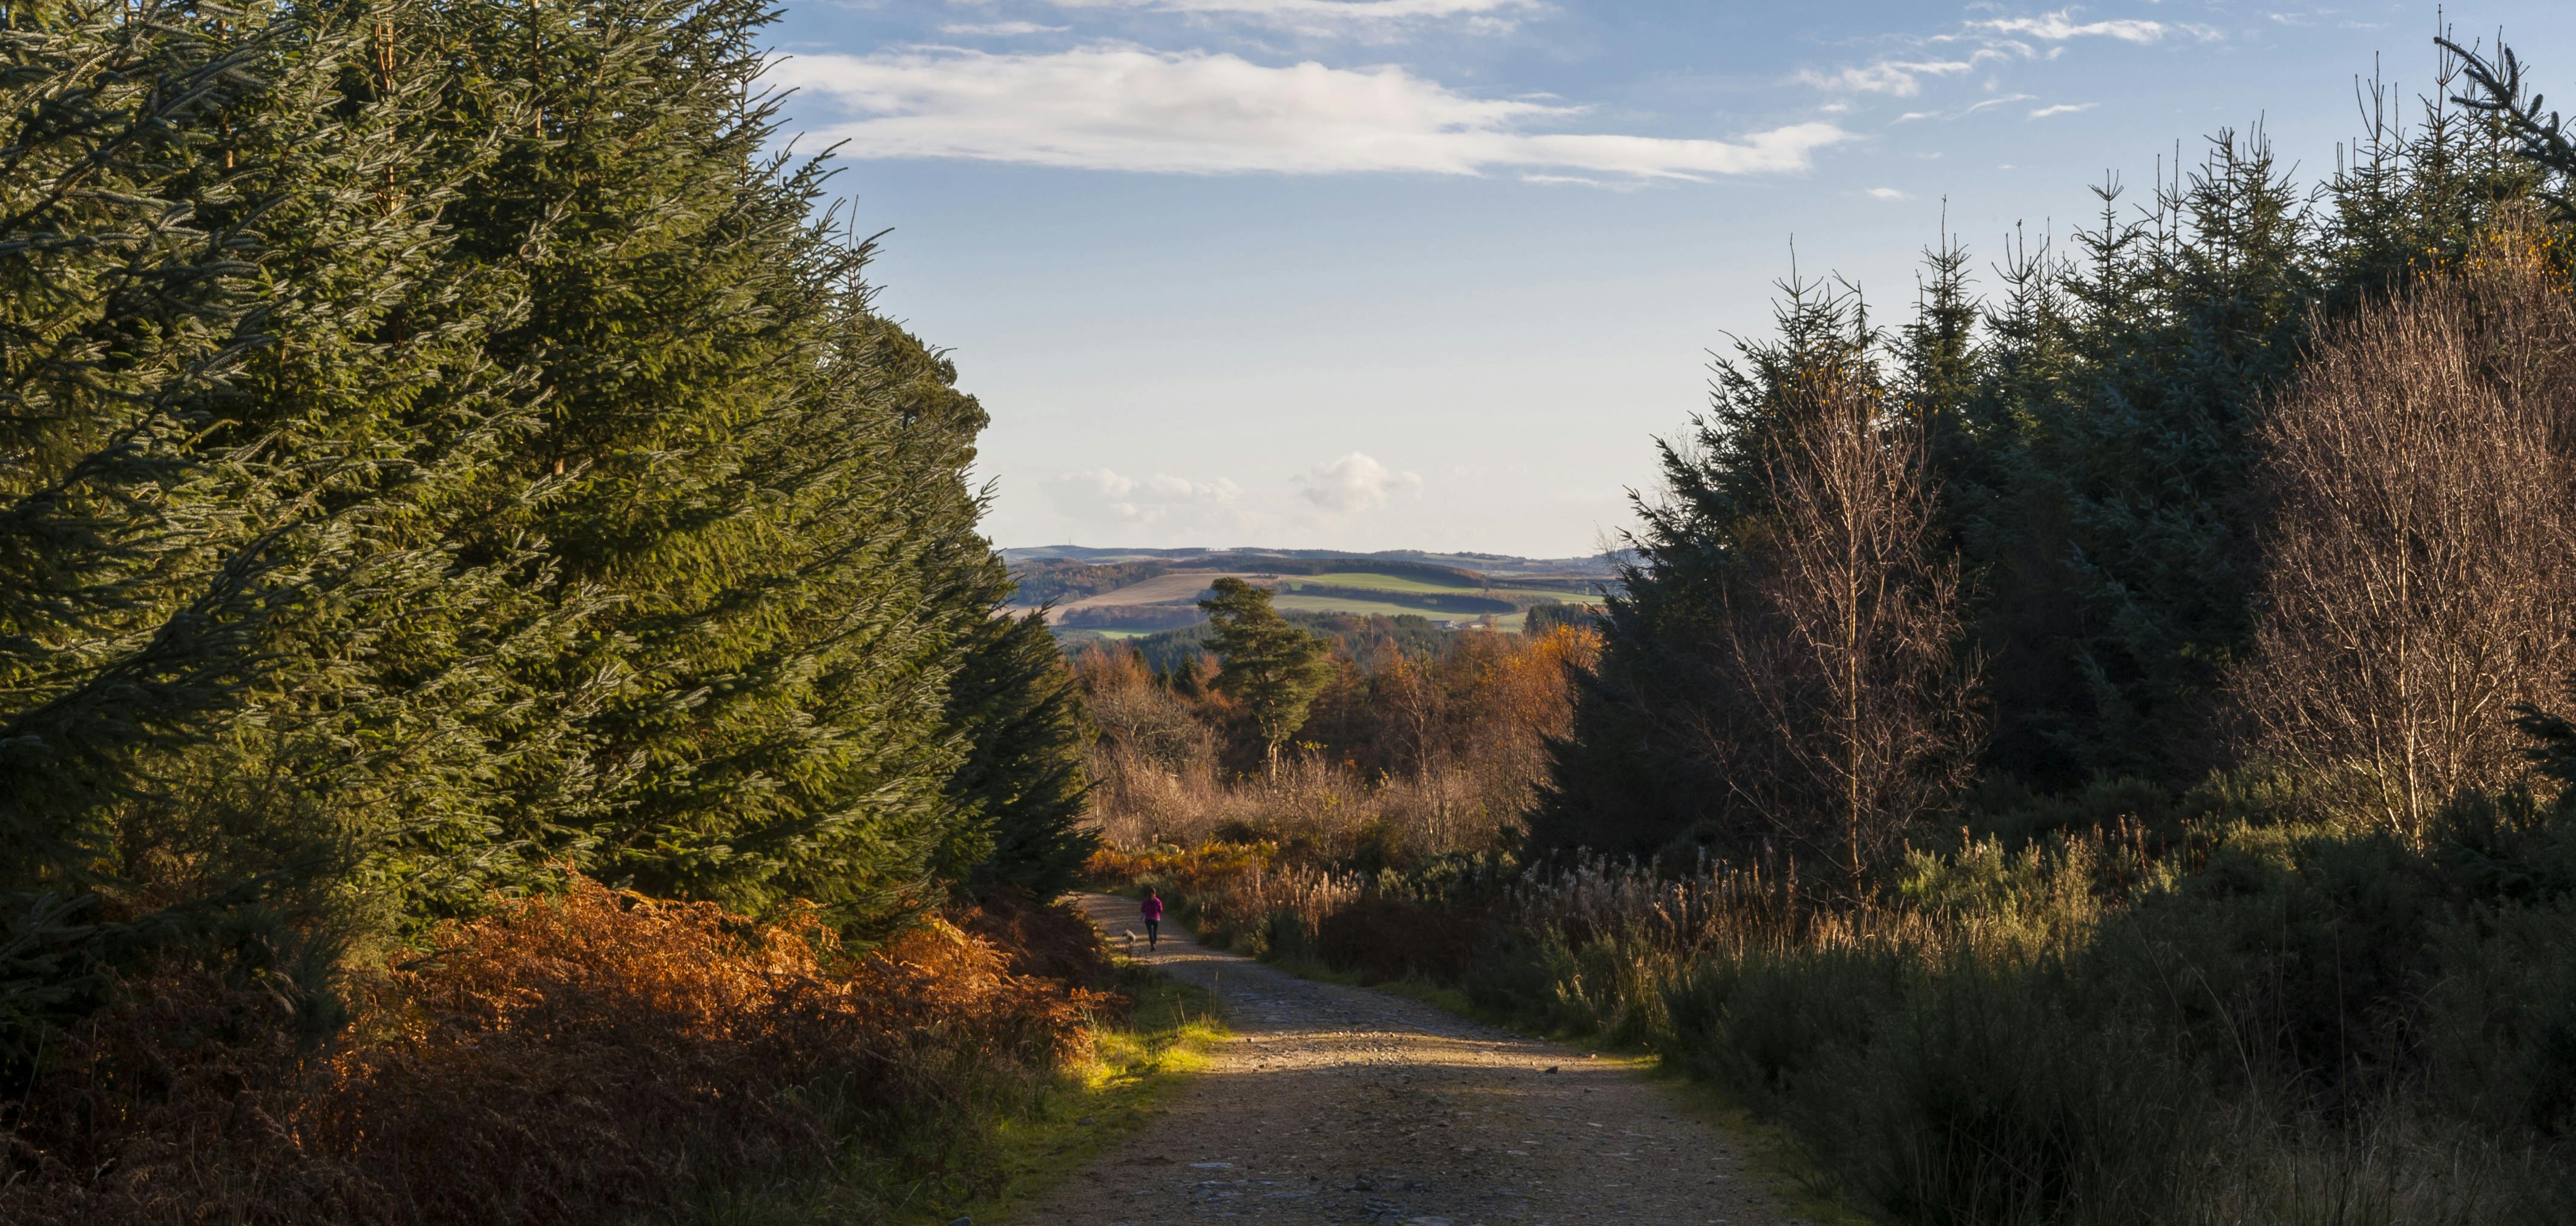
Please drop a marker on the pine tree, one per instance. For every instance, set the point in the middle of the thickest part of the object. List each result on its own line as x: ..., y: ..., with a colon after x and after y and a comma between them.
x: 1015, y: 703
x: 751, y: 480
x: 1273, y: 668
x: 1644, y: 761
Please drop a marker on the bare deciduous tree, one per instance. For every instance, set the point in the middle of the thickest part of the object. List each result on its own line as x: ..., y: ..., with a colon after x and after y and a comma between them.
x: 2420, y: 563
x: 1845, y: 643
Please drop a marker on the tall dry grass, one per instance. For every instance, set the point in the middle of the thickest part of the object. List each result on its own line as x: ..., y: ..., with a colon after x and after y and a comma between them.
x: 2224, y: 1019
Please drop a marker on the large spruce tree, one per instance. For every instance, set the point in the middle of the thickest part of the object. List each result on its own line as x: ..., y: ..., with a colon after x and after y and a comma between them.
x: 448, y: 448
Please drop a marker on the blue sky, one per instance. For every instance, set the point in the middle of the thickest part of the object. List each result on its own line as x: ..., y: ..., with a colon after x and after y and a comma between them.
x: 1433, y: 274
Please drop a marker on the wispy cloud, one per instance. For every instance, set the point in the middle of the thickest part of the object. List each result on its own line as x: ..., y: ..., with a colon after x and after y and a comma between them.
x: 2063, y: 25
x: 2301, y: 20
x: 1901, y: 78
x: 1889, y: 193
x: 1611, y: 185
x: 2063, y: 108
x: 2005, y: 100
x: 1332, y: 16
x: 1118, y: 107
x: 999, y: 29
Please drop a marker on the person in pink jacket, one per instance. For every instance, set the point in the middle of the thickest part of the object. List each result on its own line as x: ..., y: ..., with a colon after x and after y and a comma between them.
x: 1153, y: 919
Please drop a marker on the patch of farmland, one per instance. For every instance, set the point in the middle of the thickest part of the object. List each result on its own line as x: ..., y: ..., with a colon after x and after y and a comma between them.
x: 1146, y: 605
x: 1400, y: 583
x: 1306, y: 603
x: 1177, y: 588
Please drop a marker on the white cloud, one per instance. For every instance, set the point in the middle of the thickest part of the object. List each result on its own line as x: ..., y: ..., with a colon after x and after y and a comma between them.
x: 2062, y: 25
x: 1103, y: 496
x: 1613, y: 185
x: 2063, y: 108
x: 1118, y: 107
x: 1357, y: 10
x: 1333, y: 16
x: 1900, y: 78
x: 1355, y: 482
x: 2006, y: 100
x: 1000, y: 29
x: 1888, y: 193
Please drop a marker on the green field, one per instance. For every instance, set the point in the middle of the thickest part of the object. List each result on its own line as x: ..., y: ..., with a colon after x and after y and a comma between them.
x: 1397, y: 583
x: 1303, y: 603
x: 1354, y: 591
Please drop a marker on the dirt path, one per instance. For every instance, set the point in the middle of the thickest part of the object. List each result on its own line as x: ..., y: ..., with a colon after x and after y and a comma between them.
x: 1339, y: 1104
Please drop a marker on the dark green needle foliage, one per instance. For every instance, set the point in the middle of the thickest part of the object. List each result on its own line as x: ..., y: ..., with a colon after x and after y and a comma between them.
x: 1641, y: 764
x: 443, y: 446
x: 1016, y: 703
x: 1272, y: 667
x: 2088, y: 403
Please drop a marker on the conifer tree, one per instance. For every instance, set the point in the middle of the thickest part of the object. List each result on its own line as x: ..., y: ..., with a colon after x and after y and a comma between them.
x: 1273, y: 668
x: 251, y: 680
x: 1644, y: 763
x: 454, y: 450
x: 755, y: 481
x: 1014, y: 702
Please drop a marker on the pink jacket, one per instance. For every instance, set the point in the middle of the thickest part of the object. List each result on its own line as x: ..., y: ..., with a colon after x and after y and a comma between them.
x: 1153, y: 908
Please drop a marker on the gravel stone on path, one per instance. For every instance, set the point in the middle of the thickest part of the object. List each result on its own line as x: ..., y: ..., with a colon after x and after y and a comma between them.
x: 1342, y: 1104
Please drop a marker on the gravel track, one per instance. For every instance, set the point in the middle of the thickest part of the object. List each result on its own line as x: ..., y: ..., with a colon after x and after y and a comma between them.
x: 1342, y: 1104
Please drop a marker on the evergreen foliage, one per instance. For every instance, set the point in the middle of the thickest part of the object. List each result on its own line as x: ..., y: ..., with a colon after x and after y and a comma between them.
x: 448, y: 449
x: 1273, y: 668
x: 1015, y: 703
x: 2089, y: 425
x: 1638, y: 767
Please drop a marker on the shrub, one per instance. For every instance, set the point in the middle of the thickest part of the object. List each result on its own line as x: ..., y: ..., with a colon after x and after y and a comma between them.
x: 562, y: 1059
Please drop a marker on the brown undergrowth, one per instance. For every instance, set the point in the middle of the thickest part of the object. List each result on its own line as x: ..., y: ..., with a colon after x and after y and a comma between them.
x: 582, y: 1057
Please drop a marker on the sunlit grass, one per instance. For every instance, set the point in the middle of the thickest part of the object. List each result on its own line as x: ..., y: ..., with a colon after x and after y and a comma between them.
x: 1105, y: 1098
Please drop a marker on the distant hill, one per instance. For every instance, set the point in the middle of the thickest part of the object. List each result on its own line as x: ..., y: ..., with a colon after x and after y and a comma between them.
x: 1119, y: 592
x: 1496, y: 565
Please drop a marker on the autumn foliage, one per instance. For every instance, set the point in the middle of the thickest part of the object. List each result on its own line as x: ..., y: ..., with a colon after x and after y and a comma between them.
x: 1411, y: 749
x: 566, y: 1058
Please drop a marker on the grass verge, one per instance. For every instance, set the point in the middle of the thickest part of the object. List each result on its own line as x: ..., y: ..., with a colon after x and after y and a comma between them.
x: 1132, y: 1069
x: 1100, y: 1101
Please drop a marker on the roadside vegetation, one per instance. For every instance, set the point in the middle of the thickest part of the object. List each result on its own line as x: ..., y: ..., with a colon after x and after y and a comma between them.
x: 503, y: 712
x: 2098, y: 753
x: 508, y: 716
